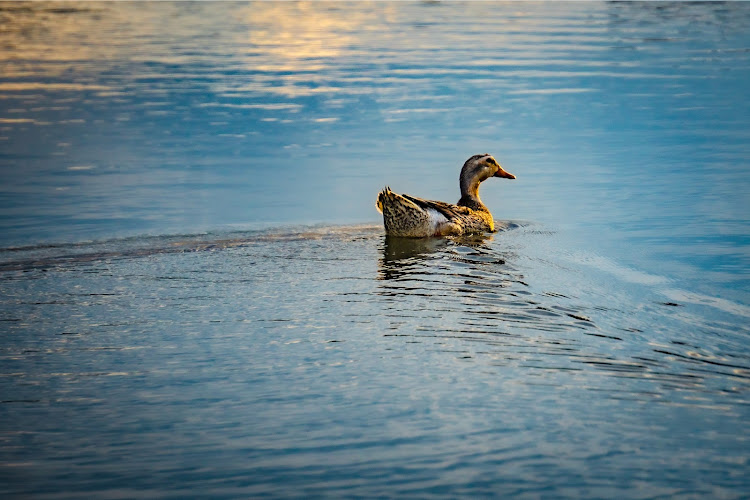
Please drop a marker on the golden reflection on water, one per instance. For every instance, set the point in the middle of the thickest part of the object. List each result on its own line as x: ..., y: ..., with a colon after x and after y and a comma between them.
x: 297, y: 36
x: 76, y: 42
x: 286, y: 46
x: 47, y: 40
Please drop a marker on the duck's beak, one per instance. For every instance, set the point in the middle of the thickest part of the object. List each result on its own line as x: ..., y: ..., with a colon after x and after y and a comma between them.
x: 505, y: 175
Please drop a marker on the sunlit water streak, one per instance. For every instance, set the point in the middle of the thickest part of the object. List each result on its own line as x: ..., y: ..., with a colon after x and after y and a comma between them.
x: 174, y: 323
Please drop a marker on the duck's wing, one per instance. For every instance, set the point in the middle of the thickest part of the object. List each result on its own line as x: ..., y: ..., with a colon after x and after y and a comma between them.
x: 450, y: 211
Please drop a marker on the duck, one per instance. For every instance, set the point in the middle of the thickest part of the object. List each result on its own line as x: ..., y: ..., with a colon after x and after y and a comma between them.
x: 411, y: 217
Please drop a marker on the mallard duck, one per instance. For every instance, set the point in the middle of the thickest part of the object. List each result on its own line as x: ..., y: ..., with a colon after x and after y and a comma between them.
x: 408, y: 216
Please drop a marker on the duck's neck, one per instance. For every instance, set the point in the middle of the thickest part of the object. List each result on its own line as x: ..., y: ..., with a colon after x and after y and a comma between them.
x: 470, y: 195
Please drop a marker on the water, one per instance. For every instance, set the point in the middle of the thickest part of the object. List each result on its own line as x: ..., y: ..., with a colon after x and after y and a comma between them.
x: 198, y: 300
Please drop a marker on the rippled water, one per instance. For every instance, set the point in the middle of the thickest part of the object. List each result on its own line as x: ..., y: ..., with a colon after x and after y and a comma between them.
x: 197, y: 299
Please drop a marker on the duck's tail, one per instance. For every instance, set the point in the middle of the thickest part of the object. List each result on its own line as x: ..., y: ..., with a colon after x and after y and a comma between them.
x: 403, y: 217
x: 383, y: 198
x: 390, y: 203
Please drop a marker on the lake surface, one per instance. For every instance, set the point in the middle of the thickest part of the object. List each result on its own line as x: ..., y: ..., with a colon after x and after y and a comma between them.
x: 197, y: 298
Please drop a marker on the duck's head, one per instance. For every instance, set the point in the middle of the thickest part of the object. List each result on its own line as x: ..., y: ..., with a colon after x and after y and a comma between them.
x: 479, y: 168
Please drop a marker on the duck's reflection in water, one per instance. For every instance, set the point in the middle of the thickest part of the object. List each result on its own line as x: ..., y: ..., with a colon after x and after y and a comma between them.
x: 408, y: 256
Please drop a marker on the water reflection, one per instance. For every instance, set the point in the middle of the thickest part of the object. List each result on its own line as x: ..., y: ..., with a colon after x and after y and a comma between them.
x: 402, y: 251
x: 402, y: 254
x: 305, y: 37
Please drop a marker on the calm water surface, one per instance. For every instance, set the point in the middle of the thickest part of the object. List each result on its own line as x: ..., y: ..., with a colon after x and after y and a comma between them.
x: 197, y: 299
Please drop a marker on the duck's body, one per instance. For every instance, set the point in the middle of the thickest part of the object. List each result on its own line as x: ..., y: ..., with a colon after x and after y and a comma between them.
x: 408, y: 216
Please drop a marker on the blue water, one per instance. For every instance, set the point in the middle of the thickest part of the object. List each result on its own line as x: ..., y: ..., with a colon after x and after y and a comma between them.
x: 197, y: 298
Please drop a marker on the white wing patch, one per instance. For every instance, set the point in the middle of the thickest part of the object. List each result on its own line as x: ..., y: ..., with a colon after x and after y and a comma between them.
x: 435, y: 218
